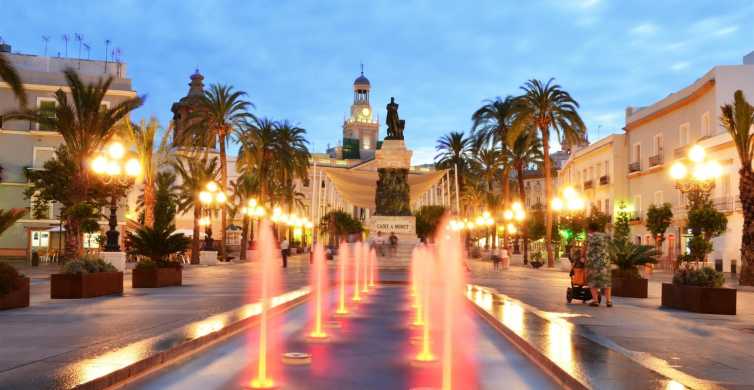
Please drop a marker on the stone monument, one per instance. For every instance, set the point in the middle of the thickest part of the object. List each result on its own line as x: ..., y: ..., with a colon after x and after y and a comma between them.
x: 392, y: 198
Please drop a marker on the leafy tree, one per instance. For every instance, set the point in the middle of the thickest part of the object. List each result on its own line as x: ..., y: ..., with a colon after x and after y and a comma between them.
x: 659, y: 219
x: 427, y: 220
x: 621, y: 230
x: 738, y: 119
x: 547, y: 107
x: 245, y: 188
x: 339, y: 224
x: 597, y: 220
x: 86, y: 126
x: 491, y: 125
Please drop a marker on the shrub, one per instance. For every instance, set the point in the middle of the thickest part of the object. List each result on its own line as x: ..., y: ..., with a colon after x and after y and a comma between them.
x: 148, y: 264
x: 627, y: 256
x: 704, y: 277
x: 88, y: 264
x: 537, y: 260
x: 157, y: 243
x: 8, y: 278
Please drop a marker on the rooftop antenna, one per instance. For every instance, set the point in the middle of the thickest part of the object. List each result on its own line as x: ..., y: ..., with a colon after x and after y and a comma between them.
x: 362, y: 68
x: 46, y: 39
x: 88, y: 50
x: 116, y: 56
x: 66, y: 38
x: 80, y: 39
x: 107, y: 48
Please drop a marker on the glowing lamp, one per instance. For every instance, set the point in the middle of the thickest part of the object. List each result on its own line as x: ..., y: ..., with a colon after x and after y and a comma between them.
x: 512, y: 228
x: 205, y: 197
x: 517, y: 206
x: 113, y: 168
x: 212, y: 186
x: 678, y: 171
x: 252, y: 203
x: 99, y: 165
x: 221, y: 197
x: 569, y: 192
x: 519, y: 215
x: 116, y: 151
x: 133, y: 168
x: 557, y: 204
x: 696, y: 153
x: 508, y: 215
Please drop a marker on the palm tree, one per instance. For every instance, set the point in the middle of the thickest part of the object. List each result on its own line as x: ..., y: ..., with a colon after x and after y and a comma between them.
x: 546, y: 107
x: 9, y: 217
x: 10, y: 76
x: 294, y: 163
x: 194, y: 173
x: 738, y: 119
x: 143, y: 137
x: 258, y: 153
x: 221, y: 112
x: 86, y: 125
x: 453, y: 151
x: 491, y: 124
x: 245, y: 188
x: 526, y: 150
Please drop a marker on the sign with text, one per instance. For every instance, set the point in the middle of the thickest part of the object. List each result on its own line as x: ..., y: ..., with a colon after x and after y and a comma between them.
x: 397, y: 225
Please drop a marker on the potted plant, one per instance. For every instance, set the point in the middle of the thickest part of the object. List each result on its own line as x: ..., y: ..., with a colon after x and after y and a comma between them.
x: 537, y: 260
x: 14, y: 288
x: 659, y: 219
x: 86, y: 277
x: 627, y: 256
x: 157, y: 246
x: 695, y: 287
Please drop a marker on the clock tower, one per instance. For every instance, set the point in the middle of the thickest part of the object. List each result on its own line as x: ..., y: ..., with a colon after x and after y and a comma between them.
x: 360, y: 130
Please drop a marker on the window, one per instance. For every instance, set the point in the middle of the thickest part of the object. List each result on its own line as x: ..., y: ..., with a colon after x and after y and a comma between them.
x: 47, y: 109
x: 40, y: 155
x: 725, y: 185
x: 40, y: 239
x: 607, y: 206
x: 91, y: 240
x: 607, y: 168
x: 366, y: 144
x: 658, y: 144
x: 637, y: 153
x: 44, y: 213
x: 637, y: 205
x: 706, y: 128
x: 658, y: 198
x: 683, y: 132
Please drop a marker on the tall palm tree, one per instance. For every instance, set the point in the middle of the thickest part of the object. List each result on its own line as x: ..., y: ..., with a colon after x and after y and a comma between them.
x: 487, y: 164
x: 86, y: 125
x: 547, y: 107
x: 142, y: 136
x: 491, y: 124
x: 526, y: 150
x: 221, y: 112
x: 738, y: 119
x: 294, y: 163
x: 453, y: 152
x: 259, y: 153
x: 194, y: 172
x: 10, y: 76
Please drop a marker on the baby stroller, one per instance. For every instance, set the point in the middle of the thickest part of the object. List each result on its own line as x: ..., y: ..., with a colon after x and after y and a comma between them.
x: 579, y: 289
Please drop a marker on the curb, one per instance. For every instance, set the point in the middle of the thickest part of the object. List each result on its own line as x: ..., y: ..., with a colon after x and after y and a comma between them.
x: 561, y: 377
x: 158, y: 360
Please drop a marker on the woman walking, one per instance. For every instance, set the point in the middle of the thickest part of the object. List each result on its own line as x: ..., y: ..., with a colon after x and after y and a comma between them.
x: 598, y: 266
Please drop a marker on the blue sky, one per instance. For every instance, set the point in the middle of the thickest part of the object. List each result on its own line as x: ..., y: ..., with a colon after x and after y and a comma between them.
x: 297, y: 59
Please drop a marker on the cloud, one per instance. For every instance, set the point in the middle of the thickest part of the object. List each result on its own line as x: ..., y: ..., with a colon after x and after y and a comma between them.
x: 679, y: 66
x: 423, y: 155
x: 644, y: 29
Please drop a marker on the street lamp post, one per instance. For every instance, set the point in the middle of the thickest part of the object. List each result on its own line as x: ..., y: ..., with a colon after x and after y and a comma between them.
x: 114, y: 168
x: 694, y: 177
x: 569, y: 204
x: 513, y: 218
x: 210, y: 198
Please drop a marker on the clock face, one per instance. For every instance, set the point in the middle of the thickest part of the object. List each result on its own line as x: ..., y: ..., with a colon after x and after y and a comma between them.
x: 365, y: 111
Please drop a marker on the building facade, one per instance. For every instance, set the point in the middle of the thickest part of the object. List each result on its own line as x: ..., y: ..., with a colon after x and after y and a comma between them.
x: 26, y: 146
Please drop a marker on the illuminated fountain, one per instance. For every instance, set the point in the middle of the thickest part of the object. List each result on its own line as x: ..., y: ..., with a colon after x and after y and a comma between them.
x: 372, y: 268
x: 342, y: 270
x: 357, y: 255
x: 417, y: 286
x: 424, y: 262
x: 318, y: 283
x: 269, y: 267
x: 365, y: 267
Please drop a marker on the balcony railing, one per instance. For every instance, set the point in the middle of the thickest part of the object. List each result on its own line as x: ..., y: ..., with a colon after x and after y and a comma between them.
x: 655, y: 160
x: 588, y: 184
x: 604, y: 180
x: 634, y: 167
x: 727, y: 203
x: 680, y: 152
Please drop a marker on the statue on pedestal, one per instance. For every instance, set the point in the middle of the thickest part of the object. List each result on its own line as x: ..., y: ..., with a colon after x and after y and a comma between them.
x: 395, y: 125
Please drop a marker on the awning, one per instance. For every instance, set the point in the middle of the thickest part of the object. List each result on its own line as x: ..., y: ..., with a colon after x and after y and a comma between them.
x: 359, y: 187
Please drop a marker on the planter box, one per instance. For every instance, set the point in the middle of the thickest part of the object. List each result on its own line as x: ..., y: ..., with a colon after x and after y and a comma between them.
x: 208, y: 257
x: 156, y: 277
x: 75, y: 286
x: 18, y: 297
x: 629, y: 287
x: 708, y: 300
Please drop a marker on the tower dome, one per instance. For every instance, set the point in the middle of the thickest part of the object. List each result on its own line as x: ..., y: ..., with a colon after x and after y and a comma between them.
x: 361, y: 80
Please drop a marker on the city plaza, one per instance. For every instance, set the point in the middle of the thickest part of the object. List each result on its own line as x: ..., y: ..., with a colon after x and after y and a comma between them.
x: 394, y: 274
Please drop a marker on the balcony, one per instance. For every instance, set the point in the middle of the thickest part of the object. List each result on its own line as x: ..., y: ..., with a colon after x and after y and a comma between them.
x: 634, y: 167
x: 727, y: 204
x: 604, y: 180
x: 588, y: 184
x: 655, y: 160
x: 680, y: 152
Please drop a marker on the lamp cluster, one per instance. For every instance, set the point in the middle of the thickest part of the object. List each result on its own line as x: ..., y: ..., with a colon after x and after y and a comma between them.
x: 515, y: 214
x: 290, y: 219
x: 571, y: 201
x: 698, y: 171
x: 253, y: 209
x: 112, y: 162
x: 212, y: 195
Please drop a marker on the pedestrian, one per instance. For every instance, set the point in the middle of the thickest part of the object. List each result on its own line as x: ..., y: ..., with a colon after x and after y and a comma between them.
x: 393, y: 244
x: 379, y: 243
x: 284, y: 251
x: 598, y: 266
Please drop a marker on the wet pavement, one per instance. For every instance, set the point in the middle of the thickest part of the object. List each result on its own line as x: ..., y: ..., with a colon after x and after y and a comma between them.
x: 56, y: 344
x: 369, y: 350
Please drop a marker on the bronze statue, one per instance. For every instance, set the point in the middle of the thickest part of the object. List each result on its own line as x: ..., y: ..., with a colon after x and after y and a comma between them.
x: 394, y: 124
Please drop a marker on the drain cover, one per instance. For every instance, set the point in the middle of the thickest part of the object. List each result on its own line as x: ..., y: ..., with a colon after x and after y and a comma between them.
x: 297, y: 358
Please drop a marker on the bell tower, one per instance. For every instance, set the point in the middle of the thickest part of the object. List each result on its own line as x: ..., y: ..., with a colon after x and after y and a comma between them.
x: 360, y: 130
